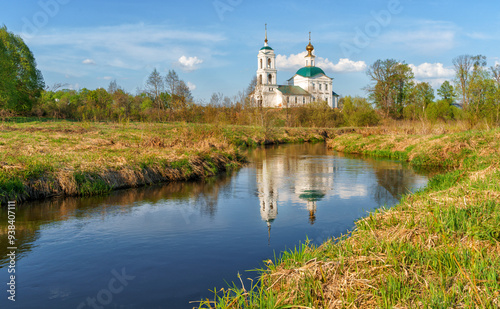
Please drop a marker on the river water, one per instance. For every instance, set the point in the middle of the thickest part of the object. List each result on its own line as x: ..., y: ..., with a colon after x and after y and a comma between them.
x: 164, y: 246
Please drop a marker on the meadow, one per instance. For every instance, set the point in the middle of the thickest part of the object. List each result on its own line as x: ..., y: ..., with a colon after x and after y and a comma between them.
x: 62, y: 158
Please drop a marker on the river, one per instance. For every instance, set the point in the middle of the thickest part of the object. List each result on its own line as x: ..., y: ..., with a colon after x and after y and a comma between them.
x: 164, y: 246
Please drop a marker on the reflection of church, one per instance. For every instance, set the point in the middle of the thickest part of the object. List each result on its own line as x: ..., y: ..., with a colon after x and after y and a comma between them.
x: 301, y: 181
x: 268, y: 193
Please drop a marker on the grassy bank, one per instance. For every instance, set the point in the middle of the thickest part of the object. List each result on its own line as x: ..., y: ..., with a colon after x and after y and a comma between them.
x: 45, y: 159
x: 438, y: 248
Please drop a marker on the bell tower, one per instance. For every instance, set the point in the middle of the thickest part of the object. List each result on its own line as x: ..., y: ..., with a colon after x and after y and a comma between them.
x: 266, y: 67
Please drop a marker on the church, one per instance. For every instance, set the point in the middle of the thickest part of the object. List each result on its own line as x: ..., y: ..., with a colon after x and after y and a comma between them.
x: 309, y: 84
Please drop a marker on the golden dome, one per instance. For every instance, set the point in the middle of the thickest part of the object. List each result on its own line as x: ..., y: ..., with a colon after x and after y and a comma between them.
x: 309, y: 46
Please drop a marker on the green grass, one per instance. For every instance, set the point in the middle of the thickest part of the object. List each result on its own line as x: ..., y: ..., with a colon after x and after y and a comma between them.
x: 91, y: 184
x: 438, y: 248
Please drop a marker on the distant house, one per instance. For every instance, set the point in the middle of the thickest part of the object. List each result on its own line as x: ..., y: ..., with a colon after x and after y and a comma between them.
x: 309, y: 84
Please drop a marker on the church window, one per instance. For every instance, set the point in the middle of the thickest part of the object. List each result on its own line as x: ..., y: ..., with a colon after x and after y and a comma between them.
x: 295, y: 100
x: 269, y: 79
x: 260, y: 79
x: 269, y: 63
x: 312, y: 63
x: 261, y: 63
x: 319, y: 86
x: 326, y: 87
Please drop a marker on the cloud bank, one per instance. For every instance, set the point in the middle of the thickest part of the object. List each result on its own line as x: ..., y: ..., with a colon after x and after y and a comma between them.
x: 296, y: 61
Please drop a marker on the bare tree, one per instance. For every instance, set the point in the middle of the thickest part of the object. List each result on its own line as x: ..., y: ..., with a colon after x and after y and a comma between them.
x: 172, y: 81
x: 113, y: 87
x: 495, y: 70
x: 217, y: 99
x: 56, y: 87
x: 154, y: 87
x: 251, y: 86
x: 465, y: 65
x: 184, y: 92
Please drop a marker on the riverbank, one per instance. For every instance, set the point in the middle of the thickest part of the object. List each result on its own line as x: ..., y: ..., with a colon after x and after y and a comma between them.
x: 438, y: 248
x: 46, y: 159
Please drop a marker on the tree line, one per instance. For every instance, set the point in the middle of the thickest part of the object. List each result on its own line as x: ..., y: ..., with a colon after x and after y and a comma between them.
x: 473, y: 95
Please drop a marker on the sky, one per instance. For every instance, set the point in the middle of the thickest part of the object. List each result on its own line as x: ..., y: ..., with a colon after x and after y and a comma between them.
x: 213, y: 44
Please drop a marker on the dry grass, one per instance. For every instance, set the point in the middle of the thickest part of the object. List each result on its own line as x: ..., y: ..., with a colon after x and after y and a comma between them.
x: 39, y: 160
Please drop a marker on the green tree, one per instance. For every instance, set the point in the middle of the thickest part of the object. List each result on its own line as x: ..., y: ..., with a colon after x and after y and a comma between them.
x: 358, y: 112
x: 392, y: 82
x: 425, y: 94
x: 447, y: 92
x: 483, y: 97
x: 466, y: 70
x: 21, y: 83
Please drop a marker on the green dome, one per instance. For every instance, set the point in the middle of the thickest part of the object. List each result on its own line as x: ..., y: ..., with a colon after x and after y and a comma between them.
x: 266, y: 48
x: 310, y: 71
x: 312, y: 195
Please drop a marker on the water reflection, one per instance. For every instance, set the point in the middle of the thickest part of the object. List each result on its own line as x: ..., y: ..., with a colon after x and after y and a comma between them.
x: 200, y: 196
x: 182, y: 239
x: 309, y: 174
x: 302, y: 175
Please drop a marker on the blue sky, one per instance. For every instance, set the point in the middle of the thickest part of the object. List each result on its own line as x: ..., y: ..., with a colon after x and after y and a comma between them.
x: 213, y: 44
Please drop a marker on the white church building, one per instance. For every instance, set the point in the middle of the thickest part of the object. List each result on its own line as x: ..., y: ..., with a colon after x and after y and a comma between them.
x: 309, y: 84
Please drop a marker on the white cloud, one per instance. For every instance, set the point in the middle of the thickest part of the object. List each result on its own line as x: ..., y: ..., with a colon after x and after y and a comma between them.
x: 292, y: 62
x: 433, y: 73
x: 191, y: 86
x: 88, y: 61
x: 296, y: 61
x: 189, y: 63
x: 344, y: 65
x: 432, y: 70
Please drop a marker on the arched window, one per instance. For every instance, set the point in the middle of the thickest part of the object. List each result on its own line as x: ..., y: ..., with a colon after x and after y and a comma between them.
x: 261, y: 63
x: 269, y: 79
x: 260, y: 80
x: 269, y: 63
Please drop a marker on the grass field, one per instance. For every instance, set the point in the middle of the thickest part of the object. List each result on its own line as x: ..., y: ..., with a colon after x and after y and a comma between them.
x: 438, y: 248
x: 44, y: 159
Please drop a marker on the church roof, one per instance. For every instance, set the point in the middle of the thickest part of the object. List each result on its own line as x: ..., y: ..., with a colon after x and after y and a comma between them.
x: 266, y: 48
x: 292, y: 90
x: 310, y: 71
